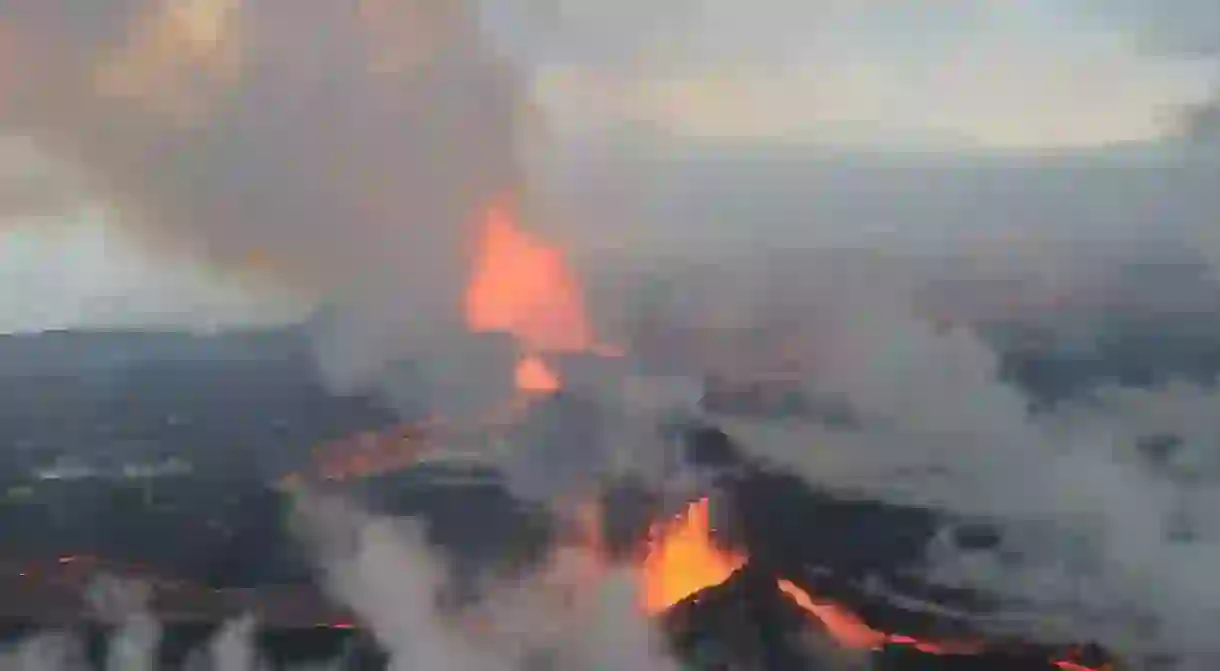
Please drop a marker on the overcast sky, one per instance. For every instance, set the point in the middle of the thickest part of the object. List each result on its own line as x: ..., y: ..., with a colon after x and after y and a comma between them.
x: 1035, y: 73
x: 945, y: 75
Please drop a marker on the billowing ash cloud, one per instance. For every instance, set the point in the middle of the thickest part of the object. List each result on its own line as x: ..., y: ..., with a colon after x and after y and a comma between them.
x: 346, y: 149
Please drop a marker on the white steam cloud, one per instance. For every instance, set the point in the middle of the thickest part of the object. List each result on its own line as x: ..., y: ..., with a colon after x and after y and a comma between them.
x: 1099, y: 539
x: 575, y: 611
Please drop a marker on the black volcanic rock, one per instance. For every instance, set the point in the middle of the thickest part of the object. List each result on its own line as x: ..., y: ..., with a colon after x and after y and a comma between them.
x: 905, y: 658
x: 784, y: 523
x: 856, y: 551
x: 468, y: 513
x: 710, y: 447
x: 232, y: 533
x: 745, y: 621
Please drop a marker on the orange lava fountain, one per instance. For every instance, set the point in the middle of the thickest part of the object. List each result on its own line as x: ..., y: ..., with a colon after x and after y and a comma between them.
x: 533, y: 375
x: 526, y: 288
x: 681, y: 560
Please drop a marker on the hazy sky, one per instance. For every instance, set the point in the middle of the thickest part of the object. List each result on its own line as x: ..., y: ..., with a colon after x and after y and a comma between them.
x: 1030, y: 74
x: 947, y: 74
x: 83, y: 273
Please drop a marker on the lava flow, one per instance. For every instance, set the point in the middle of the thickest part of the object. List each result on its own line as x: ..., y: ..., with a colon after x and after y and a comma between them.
x: 682, y: 561
x: 850, y: 631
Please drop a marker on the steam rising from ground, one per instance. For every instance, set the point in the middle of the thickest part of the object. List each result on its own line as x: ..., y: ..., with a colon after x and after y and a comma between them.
x: 1099, y: 535
x: 576, y: 611
x: 133, y: 645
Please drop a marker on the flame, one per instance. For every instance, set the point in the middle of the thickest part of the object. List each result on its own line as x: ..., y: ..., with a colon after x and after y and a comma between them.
x: 682, y: 560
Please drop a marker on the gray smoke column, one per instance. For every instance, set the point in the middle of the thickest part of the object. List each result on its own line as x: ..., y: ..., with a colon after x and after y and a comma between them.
x: 345, y: 149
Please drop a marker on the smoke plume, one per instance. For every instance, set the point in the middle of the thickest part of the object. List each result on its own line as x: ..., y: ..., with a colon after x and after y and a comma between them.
x: 346, y: 150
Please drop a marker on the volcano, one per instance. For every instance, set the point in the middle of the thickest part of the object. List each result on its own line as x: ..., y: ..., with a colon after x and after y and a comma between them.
x: 790, y: 564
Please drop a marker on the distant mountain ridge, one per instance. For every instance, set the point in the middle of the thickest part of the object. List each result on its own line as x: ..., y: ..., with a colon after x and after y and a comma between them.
x: 241, y: 403
x: 86, y: 349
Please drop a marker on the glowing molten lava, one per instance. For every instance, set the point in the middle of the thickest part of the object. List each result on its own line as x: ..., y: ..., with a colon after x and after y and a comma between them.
x: 525, y: 287
x: 849, y: 631
x: 682, y: 560
x: 533, y: 375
